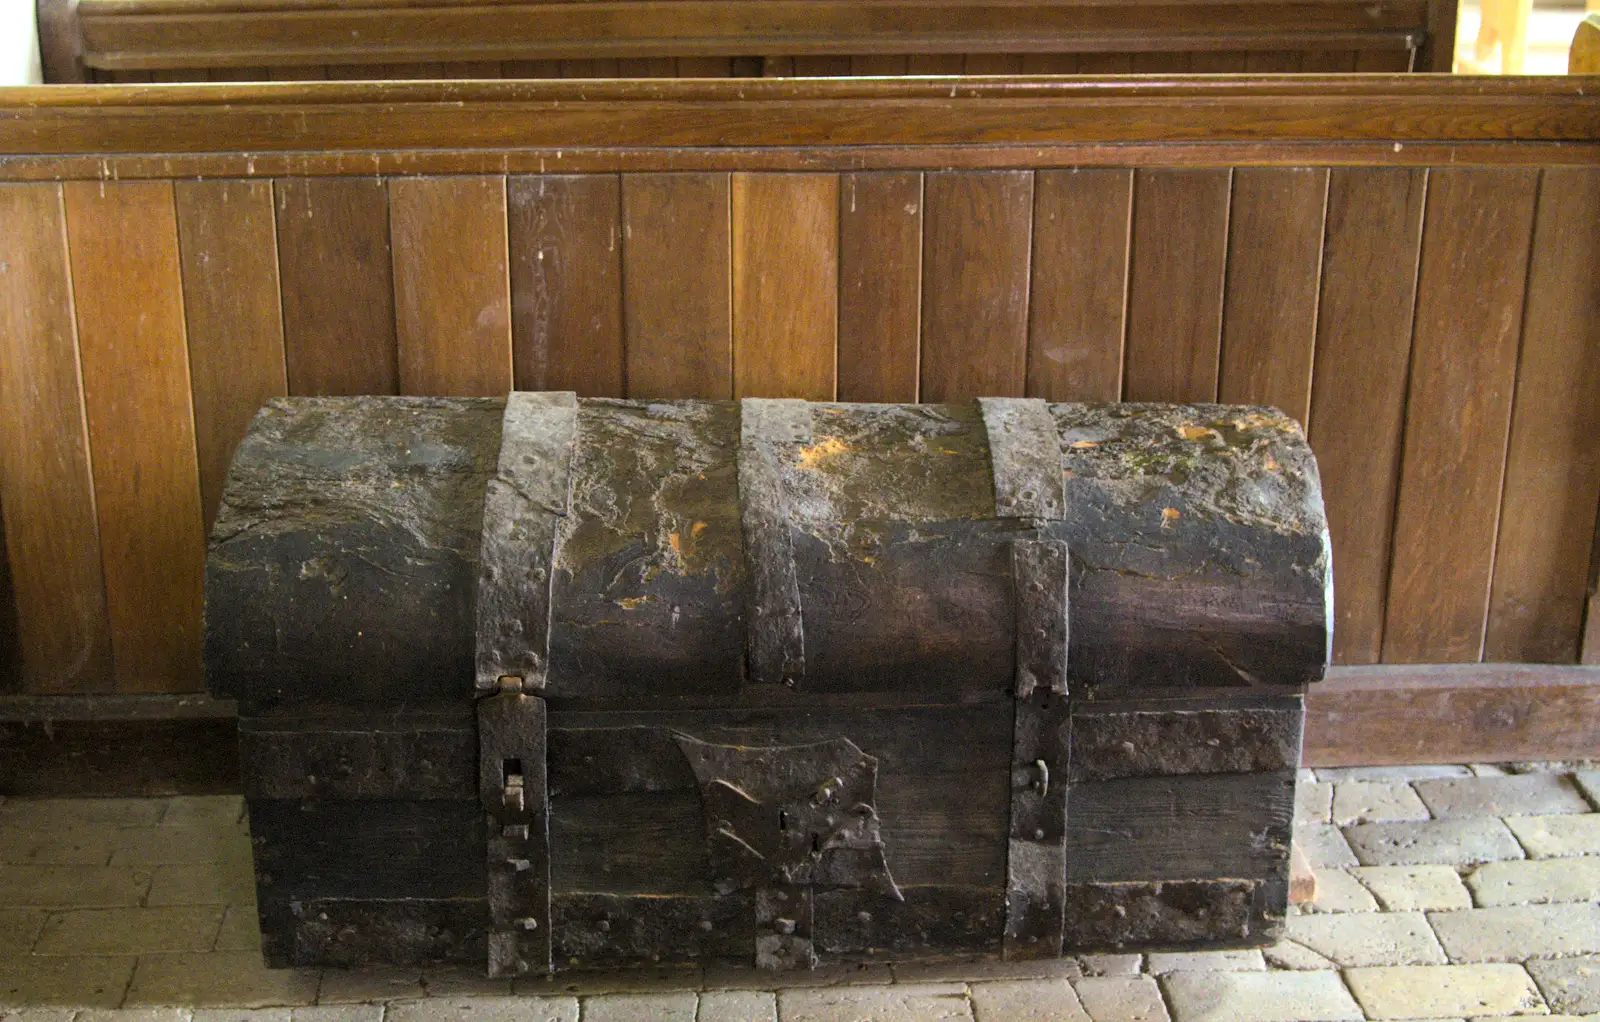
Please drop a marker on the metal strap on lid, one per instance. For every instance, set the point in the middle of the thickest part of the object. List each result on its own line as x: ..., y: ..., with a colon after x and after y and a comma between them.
x: 769, y: 430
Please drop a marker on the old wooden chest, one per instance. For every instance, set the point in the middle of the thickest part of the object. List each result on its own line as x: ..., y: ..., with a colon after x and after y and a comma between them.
x: 546, y: 682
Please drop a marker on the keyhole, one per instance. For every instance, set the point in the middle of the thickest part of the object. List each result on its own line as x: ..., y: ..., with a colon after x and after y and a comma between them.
x: 816, y: 844
x: 783, y: 820
x: 511, y: 768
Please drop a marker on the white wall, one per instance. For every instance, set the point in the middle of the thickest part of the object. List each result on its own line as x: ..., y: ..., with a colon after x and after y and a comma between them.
x: 19, y: 43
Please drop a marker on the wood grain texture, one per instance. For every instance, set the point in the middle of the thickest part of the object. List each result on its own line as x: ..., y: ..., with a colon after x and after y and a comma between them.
x: 1358, y: 397
x: 566, y: 283
x: 452, y: 291
x: 1552, y: 482
x: 123, y: 237
x: 338, y: 286
x: 1269, y: 312
x: 880, y: 286
x: 1079, y: 293
x: 976, y: 246
x: 1590, y: 653
x: 676, y: 287
x: 52, y: 537
x: 785, y: 285
x: 1175, y: 281
x: 233, y: 315
x: 1470, y: 286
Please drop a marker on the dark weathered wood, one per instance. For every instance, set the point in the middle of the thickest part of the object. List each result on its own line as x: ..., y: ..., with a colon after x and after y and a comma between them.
x: 1214, y: 735
x: 1172, y: 914
x: 356, y: 932
x: 770, y: 433
x: 599, y: 928
x: 46, y: 756
x: 402, y: 754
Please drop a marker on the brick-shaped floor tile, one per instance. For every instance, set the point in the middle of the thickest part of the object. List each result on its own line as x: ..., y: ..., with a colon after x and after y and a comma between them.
x: 243, y: 1015
x: 1376, y: 802
x: 337, y: 1013
x: 1050, y: 1000
x: 108, y: 931
x: 673, y: 1007
x: 54, y: 813
x: 1338, y: 891
x: 19, y: 929
x: 1522, y: 794
x: 189, y: 845
x: 1206, y: 961
x: 1589, y: 782
x: 1121, y: 999
x: 979, y: 968
x: 1425, y: 888
x: 1313, y: 803
x: 372, y: 983
x: 206, y: 883
x: 651, y: 980
x: 1444, y: 991
x: 1557, y: 837
x: 235, y: 979
x: 73, y: 886
x: 204, y: 810
x: 1455, y: 842
x: 1110, y: 965
x: 485, y: 1009
x: 738, y: 1006
x: 83, y: 982
x: 1324, y: 846
x: 1422, y: 772
x: 38, y: 1014
x: 1286, y: 954
x: 1535, y: 881
x: 241, y: 931
x: 1401, y: 938
x: 1518, y: 932
x: 137, y: 1015
x: 1259, y: 997
x: 910, y: 1002
x: 1570, y: 985
x: 76, y: 845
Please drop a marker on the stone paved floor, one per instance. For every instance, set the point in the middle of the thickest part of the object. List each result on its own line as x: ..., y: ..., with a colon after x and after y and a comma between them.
x: 1444, y: 893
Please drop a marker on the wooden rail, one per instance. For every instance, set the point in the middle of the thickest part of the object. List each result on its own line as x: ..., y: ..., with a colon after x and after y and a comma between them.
x: 1406, y: 264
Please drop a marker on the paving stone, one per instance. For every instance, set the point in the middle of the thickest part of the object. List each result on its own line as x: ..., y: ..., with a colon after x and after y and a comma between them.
x: 1458, y: 842
x: 1423, y: 772
x: 1516, y: 933
x: 1441, y: 991
x: 1487, y: 770
x: 1027, y: 1001
x: 46, y: 813
x: 370, y: 983
x: 1400, y: 938
x: 208, y: 883
x: 1122, y: 999
x: 1324, y: 846
x: 1207, y: 961
x: 1557, y: 837
x: 1588, y: 781
x: 1376, y: 802
x: 1535, y: 881
x: 228, y: 979
x: 911, y: 1002
x: 180, y: 845
x: 135, y: 1015
x: 28, y: 980
x: 978, y: 968
x: 1338, y: 891
x: 1259, y: 997
x: 744, y: 977
x: 738, y: 1006
x: 243, y: 1015
x: 675, y: 1007
x: 459, y: 981
x: 1313, y: 803
x: 1425, y: 888
x: 1523, y: 794
x: 109, y: 931
x: 337, y: 1013
x: 1286, y: 954
x: 206, y: 810
x: 1541, y: 1018
x: 77, y: 845
x: 487, y: 1009
x: 53, y: 886
x: 38, y: 1014
x: 19, y: 928
x: 241, y: 931
x: 1110, y: 965
x: 1569, y: 984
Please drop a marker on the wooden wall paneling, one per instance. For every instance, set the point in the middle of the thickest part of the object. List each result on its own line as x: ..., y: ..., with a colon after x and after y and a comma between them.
x: 228, y: 245
x: 452, y: 290
x: 1269, y: 309
x: 648, y: 67
x: 1105, y: 63
x: 463, y: 69
x: 935, y: 63
x: 566, y: 283
x: 1180, y: 245
x: 1328, y: 61
x: 1358, y: 393
x: 1384, y: 61
x: 123, y: 240
x: 993, y: 64
x: 676, y: 285
x: 785, y: 230
x: 1552, y: 482
x: 1590, y: 652
x: 1078, y: 299
x: 879, y: 64
x: 10, y: 627
x: 880, y: 286
x: 777, y: 67
x: 706, y: 67
x: 52, y: 534
x: 1049, y: 63
x: 530, y: 69
x: 825, y: 65
x: 1470, y: 287
x: 1161, y: 62
x: 1272, y: 62
x: 1213, y: 62
x: 309, y: 73
x: 338, y: 285
x: 599, y: 68
x: 976, y: 247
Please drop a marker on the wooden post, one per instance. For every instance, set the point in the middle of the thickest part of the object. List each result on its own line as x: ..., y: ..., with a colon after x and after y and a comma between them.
x: 60, y: 43
x: 1584, y: 57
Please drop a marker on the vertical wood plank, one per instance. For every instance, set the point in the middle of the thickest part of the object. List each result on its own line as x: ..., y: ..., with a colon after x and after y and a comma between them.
x: 1590, y: 653
x: 993, y: 64
x: 338, y: 285
x: 1552, y: 484
x: 1213, y: 62
x: 648, y: 67
x: 1390, y: 61
x: 879, y: 64
x: 123, y: 239
x: 785, y: 231
x: 566, y: 283
x: 452, y: 291
x: 1049, y: 63
x: 825, y: 65
x: 880, y: 286
x: 530, y: 69
x: 52, y: 536
x: 675, y: 294
x: 1269, y: 309
x: 1358, y: 392
x: 1463, y: 367
x: 935, y: 63
x: 1175, y: 280
x: 1328, y: 61
x: 1080, y: 278
x: 977, y: 242
x: 228, y: 246
x: 1272, y: 62
x: 1105, y: 63
x: 1161, y: 62
x: 706, y: 67
x: 599, y: 68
